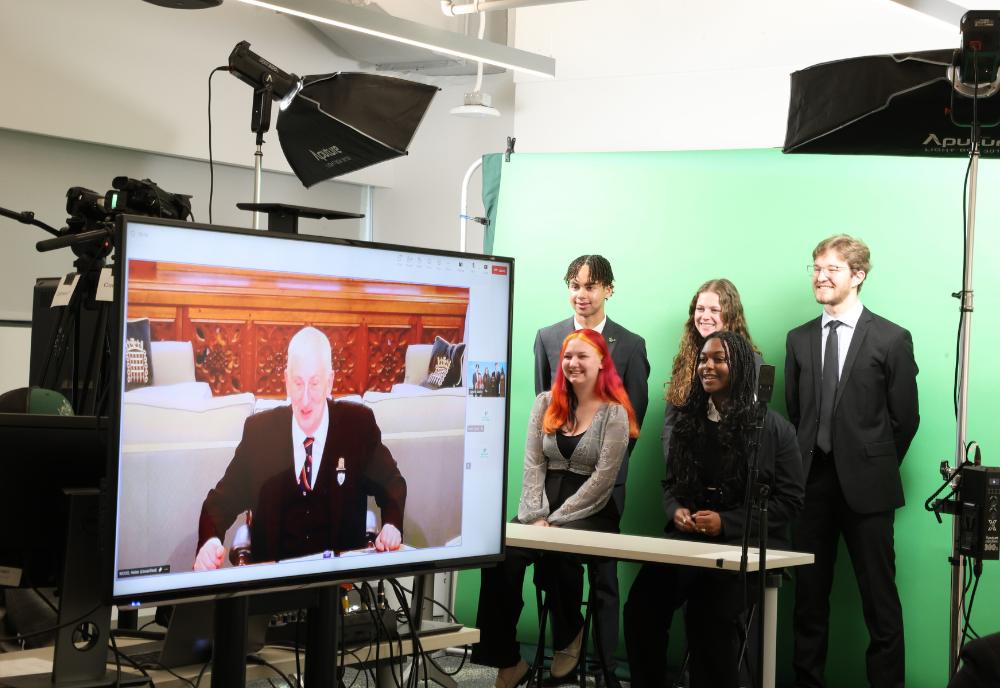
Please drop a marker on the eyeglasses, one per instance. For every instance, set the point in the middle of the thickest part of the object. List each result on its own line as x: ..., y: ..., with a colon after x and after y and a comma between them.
x: 830, y: 270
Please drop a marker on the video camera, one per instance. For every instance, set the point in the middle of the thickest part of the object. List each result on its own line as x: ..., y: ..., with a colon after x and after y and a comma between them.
x: 94, y: 214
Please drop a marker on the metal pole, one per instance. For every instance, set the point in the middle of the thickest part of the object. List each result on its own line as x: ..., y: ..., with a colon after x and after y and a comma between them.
x: 958, y: 561
x: 257, y: 159
x: 465, y: 201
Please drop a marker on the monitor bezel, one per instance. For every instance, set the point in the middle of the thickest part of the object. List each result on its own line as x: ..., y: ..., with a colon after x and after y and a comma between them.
x: 110, y: 493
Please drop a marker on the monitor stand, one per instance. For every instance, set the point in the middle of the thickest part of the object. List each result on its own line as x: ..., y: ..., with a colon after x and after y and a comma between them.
x: 231, y: 615
x: 420, y: 613
x: 81, y: 657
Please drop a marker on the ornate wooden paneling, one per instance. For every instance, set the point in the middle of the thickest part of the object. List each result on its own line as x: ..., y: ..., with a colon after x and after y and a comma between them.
x: 240, y: 322
x: 386, y: 356
x: 163, y: 330
x: 449, y: 334
x: 346, y: 352
x: 218, y: 355
x: 271, y: 357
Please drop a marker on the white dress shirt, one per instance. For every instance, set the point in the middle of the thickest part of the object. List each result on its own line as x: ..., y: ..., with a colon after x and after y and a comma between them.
x: 319, y: 442
x: 845, y: 333
x: 599, y: 329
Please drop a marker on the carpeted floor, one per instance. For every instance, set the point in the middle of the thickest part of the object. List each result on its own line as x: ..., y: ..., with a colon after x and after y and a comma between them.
x: 470, y: 676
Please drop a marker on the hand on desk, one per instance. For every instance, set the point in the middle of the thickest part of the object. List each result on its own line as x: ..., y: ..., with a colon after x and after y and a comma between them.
x: 541, y: 523
x: 210, y: 556
x: 389, y: 539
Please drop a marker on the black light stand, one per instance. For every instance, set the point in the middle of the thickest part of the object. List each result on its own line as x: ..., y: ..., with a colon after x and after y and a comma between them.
x: 269, y: 83
x: 757, y: 495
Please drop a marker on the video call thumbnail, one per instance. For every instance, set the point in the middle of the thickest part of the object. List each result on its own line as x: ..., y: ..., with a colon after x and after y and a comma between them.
x: 487, y: 379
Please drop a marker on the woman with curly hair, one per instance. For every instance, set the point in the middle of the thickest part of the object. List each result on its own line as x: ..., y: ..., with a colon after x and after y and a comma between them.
x: 715, y: 306
x: 578, y: 434
x: 704, y: 490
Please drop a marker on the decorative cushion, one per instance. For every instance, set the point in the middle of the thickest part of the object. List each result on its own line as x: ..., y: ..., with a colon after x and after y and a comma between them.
x: 138, y: 357
x: 415, y: 409
x: 445, y: 368
x: 173, y: 361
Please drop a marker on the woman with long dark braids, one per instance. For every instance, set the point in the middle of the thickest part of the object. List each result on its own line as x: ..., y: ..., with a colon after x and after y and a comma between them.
x: 578, y: 435
x: 707, y: 466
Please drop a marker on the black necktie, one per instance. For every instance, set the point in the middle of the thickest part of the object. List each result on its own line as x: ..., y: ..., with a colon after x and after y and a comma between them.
x: 831, y: 378
x: 305, y: 478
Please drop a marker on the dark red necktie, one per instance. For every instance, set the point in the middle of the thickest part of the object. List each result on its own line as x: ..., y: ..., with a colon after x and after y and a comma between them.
x: 305, y: 478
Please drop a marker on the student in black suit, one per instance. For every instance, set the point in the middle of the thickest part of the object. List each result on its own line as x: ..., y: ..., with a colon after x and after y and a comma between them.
x: 851, y: 392
x: 591, y: 282
x: 703, y: 497
x: 305, y: 472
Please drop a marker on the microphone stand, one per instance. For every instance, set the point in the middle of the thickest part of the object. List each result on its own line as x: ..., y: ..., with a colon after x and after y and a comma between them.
x: 757, y: 495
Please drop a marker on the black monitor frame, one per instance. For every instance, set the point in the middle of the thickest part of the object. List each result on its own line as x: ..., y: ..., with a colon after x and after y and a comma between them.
x: 117, y: 327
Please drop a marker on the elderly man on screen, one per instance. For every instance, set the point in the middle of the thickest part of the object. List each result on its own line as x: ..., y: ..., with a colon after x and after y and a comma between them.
x: 305, y: 472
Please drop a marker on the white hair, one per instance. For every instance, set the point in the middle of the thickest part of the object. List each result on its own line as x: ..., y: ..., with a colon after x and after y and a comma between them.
x: 309, y: 340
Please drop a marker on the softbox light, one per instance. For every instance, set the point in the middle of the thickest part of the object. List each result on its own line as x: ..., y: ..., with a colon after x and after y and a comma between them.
x: 344, y: 122
x: 900, y: 105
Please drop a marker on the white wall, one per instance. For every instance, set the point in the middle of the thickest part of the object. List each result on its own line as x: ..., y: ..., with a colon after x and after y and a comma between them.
x: 36, y: 171
x: 118, y: 87
x: 423, y: 206
x: 130, y: 74
x: 647, y: 75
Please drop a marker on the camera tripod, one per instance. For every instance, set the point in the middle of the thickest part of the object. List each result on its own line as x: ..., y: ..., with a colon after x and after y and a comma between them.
x: 86, y: 391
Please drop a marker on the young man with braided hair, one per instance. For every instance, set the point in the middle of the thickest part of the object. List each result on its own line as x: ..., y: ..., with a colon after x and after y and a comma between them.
x: 704, y: 500
x: 591, y: 283
x: 851, y: 391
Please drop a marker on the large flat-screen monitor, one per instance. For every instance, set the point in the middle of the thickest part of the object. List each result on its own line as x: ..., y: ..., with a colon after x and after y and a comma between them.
x: 292, y: 410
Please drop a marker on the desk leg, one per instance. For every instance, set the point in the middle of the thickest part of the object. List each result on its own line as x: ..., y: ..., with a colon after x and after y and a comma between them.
x: 434, y: 673
x: 770, y: 631
x: 598, y: 647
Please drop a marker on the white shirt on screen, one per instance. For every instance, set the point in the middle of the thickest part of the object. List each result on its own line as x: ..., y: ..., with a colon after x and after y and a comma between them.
x: 599, y: 328
x: 319, y: 442
x: 845, y: 333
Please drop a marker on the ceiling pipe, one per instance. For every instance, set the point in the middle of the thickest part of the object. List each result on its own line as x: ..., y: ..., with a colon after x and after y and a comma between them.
x: 453, y: 10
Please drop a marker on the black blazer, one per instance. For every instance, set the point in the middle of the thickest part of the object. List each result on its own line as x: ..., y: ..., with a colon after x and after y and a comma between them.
x: 628, y: 351
x: 780, y: 467
x: 876, y: 413
x: 254, y: 479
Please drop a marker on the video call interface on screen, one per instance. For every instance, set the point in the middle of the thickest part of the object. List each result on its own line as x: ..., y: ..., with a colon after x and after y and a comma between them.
x: 294, y: 408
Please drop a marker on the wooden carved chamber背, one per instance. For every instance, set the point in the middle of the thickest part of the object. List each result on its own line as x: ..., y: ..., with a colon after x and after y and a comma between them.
x: 239, y: 322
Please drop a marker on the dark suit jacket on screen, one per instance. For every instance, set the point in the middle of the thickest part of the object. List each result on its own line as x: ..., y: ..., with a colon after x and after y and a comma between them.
x: 628, y: 351
x: 264, y: 462
x: 876, y: 413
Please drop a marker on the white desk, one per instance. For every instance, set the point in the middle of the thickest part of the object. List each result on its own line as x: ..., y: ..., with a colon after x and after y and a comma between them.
x: 664, y: 551
x: 38, y: 661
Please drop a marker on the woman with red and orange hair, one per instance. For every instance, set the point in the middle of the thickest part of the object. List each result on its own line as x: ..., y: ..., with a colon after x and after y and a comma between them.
x: 578, y: 435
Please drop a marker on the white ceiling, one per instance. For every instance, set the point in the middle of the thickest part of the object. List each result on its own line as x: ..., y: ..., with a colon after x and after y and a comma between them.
x: 676, y: 75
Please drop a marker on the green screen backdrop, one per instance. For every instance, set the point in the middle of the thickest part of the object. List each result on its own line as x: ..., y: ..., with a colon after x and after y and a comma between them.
x: 670, y: 221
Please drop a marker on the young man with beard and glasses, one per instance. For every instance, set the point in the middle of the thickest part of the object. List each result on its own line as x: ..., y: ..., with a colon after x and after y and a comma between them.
x: 591, y: 283
x: 851, y: 392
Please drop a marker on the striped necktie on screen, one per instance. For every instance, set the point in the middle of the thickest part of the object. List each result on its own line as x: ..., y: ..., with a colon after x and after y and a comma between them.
x: 305, y: 478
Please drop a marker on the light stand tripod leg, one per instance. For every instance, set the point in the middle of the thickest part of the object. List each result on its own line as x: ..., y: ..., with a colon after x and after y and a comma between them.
x: 761, y: 584
x: 93, y: 379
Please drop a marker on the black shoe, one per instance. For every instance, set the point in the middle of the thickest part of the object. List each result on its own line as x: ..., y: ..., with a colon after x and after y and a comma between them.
x: 600, y: 683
